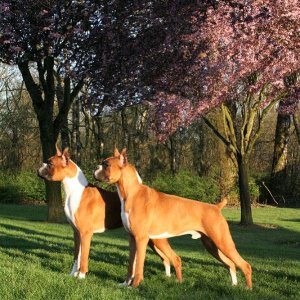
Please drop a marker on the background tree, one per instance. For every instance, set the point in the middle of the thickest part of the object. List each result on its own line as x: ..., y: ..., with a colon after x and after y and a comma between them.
x: 188, y: 57
x: 48, y: 40
x: 18, y: 126
x: 286, y: 110
x: 232, y: 52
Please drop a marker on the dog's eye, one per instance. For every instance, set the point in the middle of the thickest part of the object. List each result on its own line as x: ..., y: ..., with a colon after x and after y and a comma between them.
x: 105, y: 164
x: 49, y: 164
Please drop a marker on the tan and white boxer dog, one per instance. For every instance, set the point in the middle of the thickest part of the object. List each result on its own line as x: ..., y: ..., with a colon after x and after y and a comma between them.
x: 149, y: 214
x: 90, y: 210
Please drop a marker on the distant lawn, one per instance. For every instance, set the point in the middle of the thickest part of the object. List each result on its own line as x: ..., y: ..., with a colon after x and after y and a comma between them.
x: 36, y: 258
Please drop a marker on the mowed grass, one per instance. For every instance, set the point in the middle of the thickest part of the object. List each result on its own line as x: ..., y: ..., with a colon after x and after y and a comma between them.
x: 36, y: 258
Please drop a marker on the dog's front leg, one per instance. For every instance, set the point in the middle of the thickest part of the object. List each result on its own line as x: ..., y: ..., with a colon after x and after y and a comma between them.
x: 77, y: 254
x: 141, y: 246
x: 132, y: 261
x: 85, y: 251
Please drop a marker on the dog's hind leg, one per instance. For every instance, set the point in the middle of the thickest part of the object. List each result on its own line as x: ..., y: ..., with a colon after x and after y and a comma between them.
x: 163, y: 248
x: 163, y: 257
x: 215, y: 252
x: 226, y: 245
x: 77, y: 253
x: 234, y: 256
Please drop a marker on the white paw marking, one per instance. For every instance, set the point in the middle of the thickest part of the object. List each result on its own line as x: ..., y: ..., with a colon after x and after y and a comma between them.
x: 167, y: 269
x: 233, y: 277
x: 81, y: 275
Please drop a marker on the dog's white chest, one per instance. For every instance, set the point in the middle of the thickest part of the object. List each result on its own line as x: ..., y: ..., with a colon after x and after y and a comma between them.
x: 125, y: 220
x: 73, y: 188
x: 71, y: 205
x: 124, y: 215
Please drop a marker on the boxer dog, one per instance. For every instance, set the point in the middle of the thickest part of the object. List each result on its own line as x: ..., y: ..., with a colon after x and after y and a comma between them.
x: 149, y: 214
x: 90, y: 210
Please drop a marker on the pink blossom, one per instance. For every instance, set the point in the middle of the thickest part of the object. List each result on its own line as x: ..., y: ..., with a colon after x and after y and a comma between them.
x: 247, y: 47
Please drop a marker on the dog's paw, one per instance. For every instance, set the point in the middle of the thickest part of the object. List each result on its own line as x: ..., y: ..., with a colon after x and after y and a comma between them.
x: 137, y: 280
x: 74, y: 273
x: 126, y: 283
x: 81, y: 275
x: 75, y: 269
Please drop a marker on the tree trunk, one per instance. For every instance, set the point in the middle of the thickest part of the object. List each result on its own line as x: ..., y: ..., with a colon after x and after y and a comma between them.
x: 53, y: 189
x: 296, y: 120
x: 64, y: 134
x: 228, y: 170
x: 76, y: 143
x: 172, y: 149
x: 98, y: 134
x: 228, y: 175
x: 246, y: 213
x: 282, y: 135
x: 48, y: 135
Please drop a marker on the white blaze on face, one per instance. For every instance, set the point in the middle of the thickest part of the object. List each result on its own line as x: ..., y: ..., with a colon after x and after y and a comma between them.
x: 43, y: 167
x: 43, y: 170
x: 97, y: 171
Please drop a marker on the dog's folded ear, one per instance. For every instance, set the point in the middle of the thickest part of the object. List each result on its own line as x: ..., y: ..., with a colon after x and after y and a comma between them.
x: 65, y: 156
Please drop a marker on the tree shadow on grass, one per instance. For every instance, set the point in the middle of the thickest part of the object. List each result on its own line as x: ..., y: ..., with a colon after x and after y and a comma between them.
x: 257, y: 241
x: 290, y: 220
x: 40, y: 235
x: 32, y: 213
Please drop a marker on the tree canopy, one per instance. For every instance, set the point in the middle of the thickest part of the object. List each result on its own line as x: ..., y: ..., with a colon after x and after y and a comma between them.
x: 235, y: 49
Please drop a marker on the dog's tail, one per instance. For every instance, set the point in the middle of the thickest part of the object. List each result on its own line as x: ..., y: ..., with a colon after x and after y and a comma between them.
x: 222, y: 203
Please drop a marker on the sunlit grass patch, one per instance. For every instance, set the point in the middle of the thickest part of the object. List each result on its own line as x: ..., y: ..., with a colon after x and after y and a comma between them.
x: 36, y: 258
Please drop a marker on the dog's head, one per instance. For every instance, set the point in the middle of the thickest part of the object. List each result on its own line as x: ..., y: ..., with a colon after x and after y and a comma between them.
x: 57, y: 167
x: 111, y: 168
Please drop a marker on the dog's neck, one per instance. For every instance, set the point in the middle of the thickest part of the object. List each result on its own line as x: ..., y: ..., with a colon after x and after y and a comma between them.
x: 76, y: 183
x: 128, y: 181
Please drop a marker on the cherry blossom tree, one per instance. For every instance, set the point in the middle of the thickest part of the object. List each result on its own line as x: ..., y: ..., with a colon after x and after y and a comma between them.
x: 237, y: 54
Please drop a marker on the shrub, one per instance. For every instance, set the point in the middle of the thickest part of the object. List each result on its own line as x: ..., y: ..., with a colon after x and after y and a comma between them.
x: 254, y: 190
x: 24, y: 186
x: 187, y: 184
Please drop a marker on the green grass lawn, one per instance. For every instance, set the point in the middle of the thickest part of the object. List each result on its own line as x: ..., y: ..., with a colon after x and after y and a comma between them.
x: 36, y: 258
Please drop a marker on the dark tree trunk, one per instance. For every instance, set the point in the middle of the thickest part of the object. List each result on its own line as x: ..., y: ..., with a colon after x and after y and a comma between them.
x: 246, y: 213
x: 64, y: 134
x: 61, y: 96
x: 43, y: 106
x: 125, y: 131
x: 99, y: 138
x: 76, y: 143
x: 282, y: 135
x: 296, y: 120
x: 53, y: 189
x: 172, y: 149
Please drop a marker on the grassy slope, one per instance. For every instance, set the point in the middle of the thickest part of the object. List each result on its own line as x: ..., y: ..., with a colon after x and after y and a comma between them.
x: 36, y: 258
